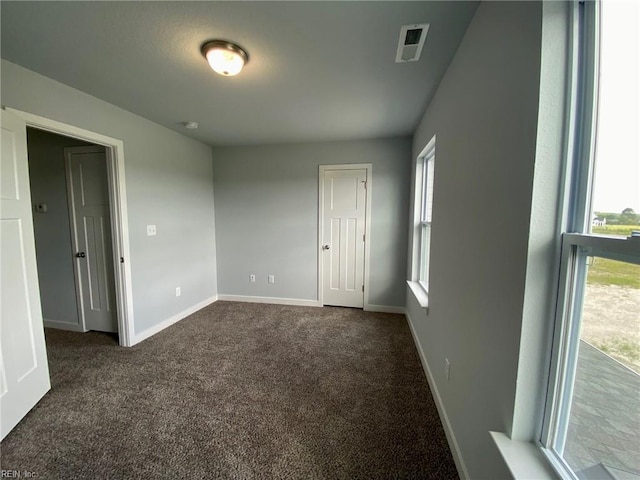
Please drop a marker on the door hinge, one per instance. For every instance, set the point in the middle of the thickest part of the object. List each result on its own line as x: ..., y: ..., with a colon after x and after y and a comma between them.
x: 362, y: 288
x: 363, y: 237
x: 364, y: 182
x: 121, y: 259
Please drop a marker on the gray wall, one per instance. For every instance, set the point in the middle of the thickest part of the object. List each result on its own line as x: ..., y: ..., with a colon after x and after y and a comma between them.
x: 52, y: 229
x: 485, y: 117
x: 267, y: 216
x: 169, y: 183
x: 546, y: 222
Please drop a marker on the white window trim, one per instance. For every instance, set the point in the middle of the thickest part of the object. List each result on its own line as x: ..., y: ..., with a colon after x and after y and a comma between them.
x: 582, y: 123
x: 526, y: 456
x: 575, y: 248
x: 419, y: 287
x: 578, y: 185
x: 426, y: 206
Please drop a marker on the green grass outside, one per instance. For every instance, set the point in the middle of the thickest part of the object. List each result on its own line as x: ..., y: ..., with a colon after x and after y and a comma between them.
x: 610, y: 272
x: 622, y: 230
x: 603, y: 271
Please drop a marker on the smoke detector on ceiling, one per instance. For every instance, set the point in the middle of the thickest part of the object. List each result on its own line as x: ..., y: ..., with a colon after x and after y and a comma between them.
x: 411, y: 41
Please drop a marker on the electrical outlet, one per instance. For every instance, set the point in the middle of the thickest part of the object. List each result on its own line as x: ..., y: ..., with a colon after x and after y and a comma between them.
x: 151, y: 230
x: 272, y: 279
x: 252, y: 278
x: 447, y: 369
x: 178, y: 292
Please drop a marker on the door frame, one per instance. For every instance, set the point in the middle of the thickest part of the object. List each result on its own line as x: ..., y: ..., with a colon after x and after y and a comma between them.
x: 114, y: 150
x: 367, y: 220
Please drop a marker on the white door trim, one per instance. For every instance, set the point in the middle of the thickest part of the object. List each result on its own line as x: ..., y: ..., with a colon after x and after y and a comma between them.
x: 118, y: 209
x: 350, y: 166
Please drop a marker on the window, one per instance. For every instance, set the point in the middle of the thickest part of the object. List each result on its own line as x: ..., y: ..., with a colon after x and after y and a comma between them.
x: 426, y: 163
x: 593, y: 408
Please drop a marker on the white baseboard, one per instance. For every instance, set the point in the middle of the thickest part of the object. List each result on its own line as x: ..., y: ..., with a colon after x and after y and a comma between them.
x: 72, y: 327
x: 303, y: 303
x: 139, y: 337
x: 270, y: 300
x: 448, y: 430
x: 384, y: 309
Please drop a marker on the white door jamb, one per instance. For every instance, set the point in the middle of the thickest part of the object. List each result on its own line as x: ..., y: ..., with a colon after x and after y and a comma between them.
x: 118, y: 210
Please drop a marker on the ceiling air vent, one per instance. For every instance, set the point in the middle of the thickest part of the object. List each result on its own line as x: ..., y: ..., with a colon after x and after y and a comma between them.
x: 411, y: 41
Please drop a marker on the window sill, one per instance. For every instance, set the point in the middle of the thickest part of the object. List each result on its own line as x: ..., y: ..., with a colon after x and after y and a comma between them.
x: 421, y: 296
x: 524, y: 459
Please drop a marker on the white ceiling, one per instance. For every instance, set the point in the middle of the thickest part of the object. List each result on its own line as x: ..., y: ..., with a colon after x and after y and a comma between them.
x: 317, y: 70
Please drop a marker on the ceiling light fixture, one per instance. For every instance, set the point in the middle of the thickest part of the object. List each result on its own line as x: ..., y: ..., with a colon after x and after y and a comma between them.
x: 225, y: 58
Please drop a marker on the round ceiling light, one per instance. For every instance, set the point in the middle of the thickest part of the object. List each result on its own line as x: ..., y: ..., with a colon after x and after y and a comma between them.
x: 225, y: 58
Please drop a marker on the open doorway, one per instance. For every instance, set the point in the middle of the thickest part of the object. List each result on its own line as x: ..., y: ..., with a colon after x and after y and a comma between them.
x: 72, y: 226
x: 24, y: 371
x: 114, y: 151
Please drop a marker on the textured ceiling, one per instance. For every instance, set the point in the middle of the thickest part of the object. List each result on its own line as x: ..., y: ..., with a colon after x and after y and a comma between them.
x: 317, y: 70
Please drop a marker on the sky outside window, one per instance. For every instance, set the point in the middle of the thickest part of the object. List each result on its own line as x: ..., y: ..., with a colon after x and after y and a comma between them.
x: 617, y: 176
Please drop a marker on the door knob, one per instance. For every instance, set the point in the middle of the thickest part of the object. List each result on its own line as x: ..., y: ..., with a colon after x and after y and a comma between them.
x: 326, y: 247
x: 81, y: 254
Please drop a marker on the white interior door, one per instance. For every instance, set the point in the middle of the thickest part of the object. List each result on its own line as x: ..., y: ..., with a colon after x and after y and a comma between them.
x: 343, y: 236
x: 88, y: 188
x: 24, y: 372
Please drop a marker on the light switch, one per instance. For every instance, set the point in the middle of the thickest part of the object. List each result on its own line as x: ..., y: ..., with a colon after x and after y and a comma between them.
x: 151, y: 230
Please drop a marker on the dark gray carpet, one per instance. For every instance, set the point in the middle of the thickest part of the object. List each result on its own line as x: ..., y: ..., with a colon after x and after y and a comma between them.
x: 242, y: 391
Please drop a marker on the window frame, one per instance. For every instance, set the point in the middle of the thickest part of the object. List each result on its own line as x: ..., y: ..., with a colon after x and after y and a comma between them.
x: 426, y: 162
x: 577, y: 241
